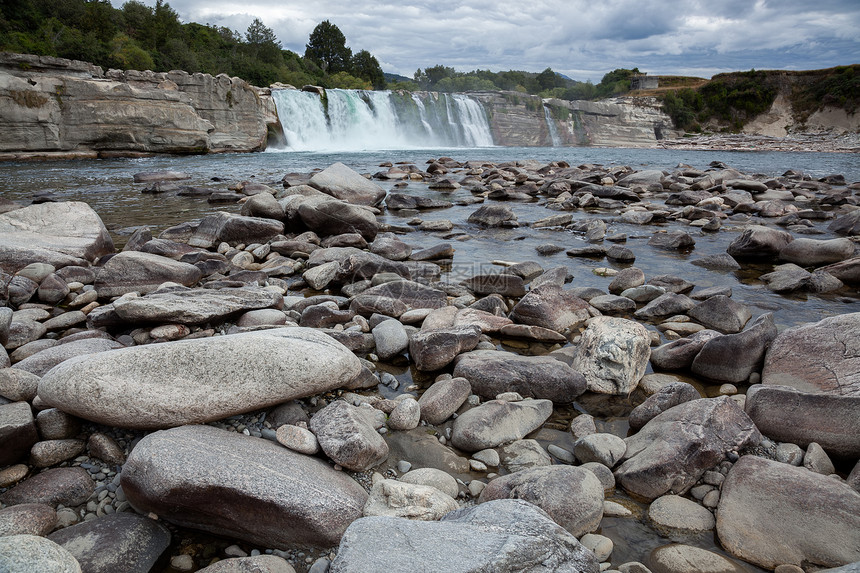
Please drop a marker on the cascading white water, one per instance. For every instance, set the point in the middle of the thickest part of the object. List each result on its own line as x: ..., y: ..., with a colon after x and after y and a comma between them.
x: 553, y: 131
x: 354, y: 120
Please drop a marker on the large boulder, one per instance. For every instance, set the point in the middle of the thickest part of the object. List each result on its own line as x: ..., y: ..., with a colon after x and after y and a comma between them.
x: 136, y: 271
x: 613, y: 355
x: 773, y: 514
x: 436, y: 348
x: 194, y: 305
x: 721, y: 313
x: 820, y: 357
x: 497, y: 422
x: 571, y: 495
x: 493, y: 215
x: 814, y: 252
x: 195, y: 381
x: 34, y: 554
x: 232, y: 228
x: 343, y: 183
x: 733, y: 357
x: 17, y: 432
x: 221, y: 482
x: 59, y: 234
x: 492, y: 372
x: 759, y: 242
x: 413, y: 501
x: 399, y: 297
x: 67, y: 486
x: 668, y: 396
x: 679, y: 354
x: 501, y: 535
x: 41, y: 362
x: 115, y: 542
x: 790, y: 415
x: 338, y: 217
x: 672, y: 451
x: 346, y: 435
x: 552, y: 307
x: 356, y: 265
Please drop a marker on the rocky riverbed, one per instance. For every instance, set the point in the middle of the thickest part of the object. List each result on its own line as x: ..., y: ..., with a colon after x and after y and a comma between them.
x: 305, y: 381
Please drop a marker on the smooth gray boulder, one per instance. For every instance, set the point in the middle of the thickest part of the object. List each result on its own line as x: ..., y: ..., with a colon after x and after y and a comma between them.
x: 28, y: 519
x: 493, y: 215
x: 115, y: 542
x: 675, y: 514
x: 668, y: 396
x: 135, y: 271
x: 343, y: 183
x: 786, y: 414
x: 390, y: 338
x: 759, y: 242
x: 503, y: 284
x: 571, y: 495
x: 503, y: 535
x: 232, y: 228
x: 772, y: 514
x: 34, y: 554
x: 443, y: 398
x: 550, y: 306
x: 733, y: 357
x: 218, y: 481
x: 347, y: 436
x: 497, y: 422
x: 59, y: 234
x: 672, y: 451
x: 355, y: 265
x: 491, y: 372
x: 397, y: 297
x: 665, y: 305
x: 436, y: 348
x: 815, y: 252
x: 194, y: 305
x: 413, y: 501
x: 679, y: 354
x: 195, y: 381
x: 334, y: 217
x: 721, y: 313
x: 67, y: 486
x: 254, y: 564
x: 18, y: 385
x: 17, y: 432
x: 613, y: 355
x: 822, y: 357
x: 41, y: 362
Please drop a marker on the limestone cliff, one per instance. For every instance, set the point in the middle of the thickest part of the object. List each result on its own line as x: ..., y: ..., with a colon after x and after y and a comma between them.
x: 521, y: 119
x: 56, y: 105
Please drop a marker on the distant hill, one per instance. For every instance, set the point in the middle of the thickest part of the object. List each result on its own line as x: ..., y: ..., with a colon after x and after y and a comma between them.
x: 394, y: 78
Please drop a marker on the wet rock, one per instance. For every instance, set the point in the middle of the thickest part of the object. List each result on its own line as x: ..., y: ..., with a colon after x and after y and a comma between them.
x: 814, y: 252
x: 677, y: 558
x: 496, y: 422
x: 397, y: 499
x: 496, y: 283
x: 396, y: 297
x: 423, y: 450
x: 671, y: 241
x: 787, y: 278
x: 678, y: 514
x: 759, y: 242
x: 668, y: 396
x: 27, y: 519
x: 17, y: 432
x: 134, y: 271
x: 847, y: 271
x: 406, y: 415
x: 667, y: 304
x: 772, y: 513
x: 613, y: 355
x: 390, y: 338
x: 679, y: 354
x: 819, y: 357
x: 492, y: 372
x: 39, y: 363
x: 187, y: 475
x: 492, y: 215
x: 189, y: 381
x: 29, y: 553
x: 523, y: 454
x: 675, y: 448
x: 337, y: 217
x: 66, y: 486
x: 718, y: 262
x: 232, y: 228
x: 434, y: 349
x: 549, y: 306
x: 630, y: 277
x: 733, y: 357
x: 263, y: 205
x: 59, y: 234
x: 443, y: 398
x: 571, y: 496
x: 390, y: 247
x: 532, y: 542
x: 343, y: 183
x: 432, y: 477
x: 347, y: 437
x: 115, y: 542
x: 721, y: 313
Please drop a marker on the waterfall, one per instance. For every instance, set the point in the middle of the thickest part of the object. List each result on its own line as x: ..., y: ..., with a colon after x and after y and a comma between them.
x: 553, y: 131
x: 354, y: 120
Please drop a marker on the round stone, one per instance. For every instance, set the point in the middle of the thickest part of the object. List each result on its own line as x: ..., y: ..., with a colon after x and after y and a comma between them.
x: 673, y: 512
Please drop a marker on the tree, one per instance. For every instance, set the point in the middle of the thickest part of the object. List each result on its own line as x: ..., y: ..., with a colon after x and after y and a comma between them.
x: 548, y: 79
x: 263, y: 43
x: 327, y: 47
x: 366, y: 67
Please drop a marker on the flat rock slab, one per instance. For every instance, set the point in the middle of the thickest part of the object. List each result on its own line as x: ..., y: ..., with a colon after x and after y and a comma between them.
x: 500, y: 535
x: 242, y: 487
x: 116, y: 542
x: 194, y: 306
x: 195, y: 381
x: 59, y: 234
x: 492, y: 372
x: 820, y: 357
x: 497, y: 422
x: 772, y: 513
x: 674, y: 449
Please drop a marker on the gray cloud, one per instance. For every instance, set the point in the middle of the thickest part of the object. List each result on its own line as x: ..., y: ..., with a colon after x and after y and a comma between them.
x: 581, y: 38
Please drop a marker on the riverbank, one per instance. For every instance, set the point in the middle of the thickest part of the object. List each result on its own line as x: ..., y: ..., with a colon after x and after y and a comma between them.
x: 822, y: 142
x: 344, y: 359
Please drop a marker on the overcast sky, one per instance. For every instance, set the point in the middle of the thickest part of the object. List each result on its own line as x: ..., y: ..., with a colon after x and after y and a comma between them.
x: 582, y: 39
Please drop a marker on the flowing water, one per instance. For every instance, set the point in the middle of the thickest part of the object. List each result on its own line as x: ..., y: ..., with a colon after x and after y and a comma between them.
x: 377, y: 122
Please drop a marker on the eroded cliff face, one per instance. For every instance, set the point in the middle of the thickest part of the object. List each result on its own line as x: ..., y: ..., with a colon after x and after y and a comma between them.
x: 55, y: 105
x: 524, y: 120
